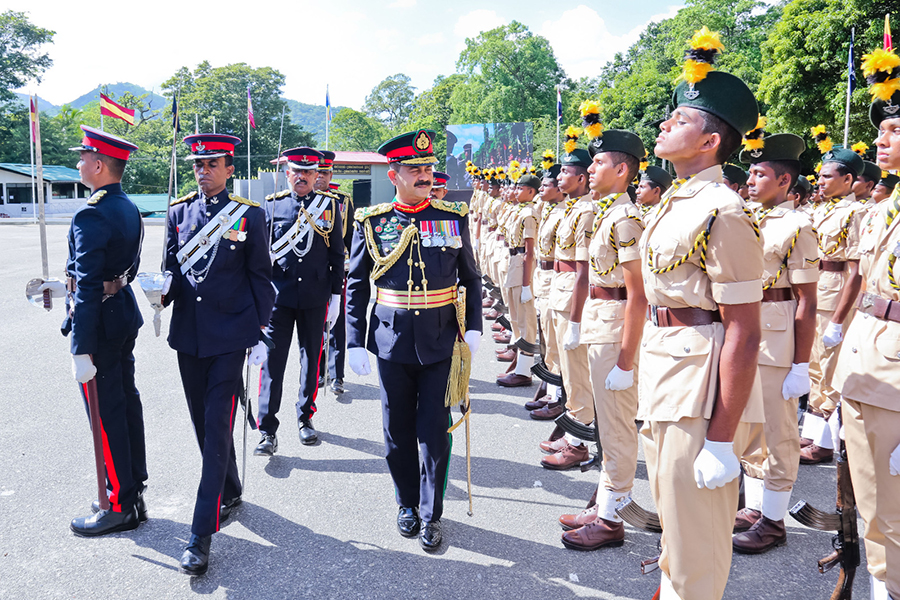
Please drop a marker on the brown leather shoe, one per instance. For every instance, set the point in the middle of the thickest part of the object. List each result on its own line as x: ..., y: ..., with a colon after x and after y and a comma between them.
x: 497, y: 327
x: 745, y: 519
x: 514, y: 380
x: 491, y: 315
x: 503, y: 338
x: 507, y: 355
x: 597, y: 534
x: 549, y: 412
x: 762, y: 537
x: 813, y: 455
x: 804, y: 442
x: 567, y: 458
x: 570, y: 522
x: 552, y: 446
x: 539, y: 403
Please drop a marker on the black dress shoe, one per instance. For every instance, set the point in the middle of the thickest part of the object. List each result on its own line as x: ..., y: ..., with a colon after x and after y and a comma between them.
x: 337, y: 386
x: 141, y: 508
x: 268, y: 445
x: 105, y: 522
x: 408, y: 523
x: 195, y: 560
x: 321, y: 382
x: 431, y: 538
x: 227, y: 507
x: 308, y: 434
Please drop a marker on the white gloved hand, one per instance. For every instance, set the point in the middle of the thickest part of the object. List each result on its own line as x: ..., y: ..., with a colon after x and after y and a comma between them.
x: 57, y: 288
x: 334, y: 310
x: 573, y: 336
x: 834, y: 334
x: 526, y: 296
x: 473, y: 339
x: 619, y: 380
x: 476, y: 245
x: 797, y: 381
x: 895, y: 461
x: 358, y: 359
x: 167, y: 284
x: 258, y: 354
x: 83, y: 368
x: 716, y: 465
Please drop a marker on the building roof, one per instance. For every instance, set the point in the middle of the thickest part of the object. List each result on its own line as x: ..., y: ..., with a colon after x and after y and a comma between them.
x: 150, y: 204
x: 52, y: 173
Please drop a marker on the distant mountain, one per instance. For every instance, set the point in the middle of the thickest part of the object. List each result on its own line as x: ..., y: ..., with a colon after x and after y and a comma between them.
x: 311, y: 117
x: 43, y: 105
x: 115, y: 90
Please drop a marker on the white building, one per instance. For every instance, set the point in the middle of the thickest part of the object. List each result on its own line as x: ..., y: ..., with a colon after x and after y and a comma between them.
x: 63, y: 191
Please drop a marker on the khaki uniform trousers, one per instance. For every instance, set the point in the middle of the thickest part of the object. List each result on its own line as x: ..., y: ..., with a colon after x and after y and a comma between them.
x: 615, y: 412
x: 872, y: 434
x: 697, y: 523
x: 576, y: 373
x: 773, y: 452
x: 822, y: 361
x: 522, y: 317
x: 548, y: 330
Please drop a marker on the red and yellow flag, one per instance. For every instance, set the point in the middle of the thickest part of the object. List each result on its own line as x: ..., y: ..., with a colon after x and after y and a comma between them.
x: 108, y: 108
x: 888, y: 44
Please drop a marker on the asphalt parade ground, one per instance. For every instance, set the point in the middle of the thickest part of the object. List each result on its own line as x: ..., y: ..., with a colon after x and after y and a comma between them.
x: 317, y: 521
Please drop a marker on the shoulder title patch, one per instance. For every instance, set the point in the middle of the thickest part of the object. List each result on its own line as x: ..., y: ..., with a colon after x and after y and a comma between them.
x: 240, y: 200
x: 190, y: 196
x: 95, y: 198
x: 370, y: 211
x: 459, y: 208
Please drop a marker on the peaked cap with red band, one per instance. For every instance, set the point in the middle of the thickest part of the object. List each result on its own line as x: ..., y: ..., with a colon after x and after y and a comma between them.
x: 416, y: 148
x: 440, y: 180
x: 334, y: 186
x: 303, y: 158
x: 327, y: 162
x: 211, y: 145
x: 104, y: 143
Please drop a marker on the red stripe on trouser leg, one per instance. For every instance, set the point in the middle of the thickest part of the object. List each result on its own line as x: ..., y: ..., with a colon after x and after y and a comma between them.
x: 113, y: 494
x: 319, y: 363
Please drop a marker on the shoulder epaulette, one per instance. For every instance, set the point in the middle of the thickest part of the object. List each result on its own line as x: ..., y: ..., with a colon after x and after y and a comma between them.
x: 96, y: 197
x: 240, y: 200
x: 190, y: 196
x: 278, y: 195
x: 329, y: 195
x: 370, y: 211
x: 459, y: 208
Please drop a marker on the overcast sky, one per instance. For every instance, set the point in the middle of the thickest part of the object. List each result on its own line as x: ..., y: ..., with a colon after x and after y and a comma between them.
x: 350, y: 45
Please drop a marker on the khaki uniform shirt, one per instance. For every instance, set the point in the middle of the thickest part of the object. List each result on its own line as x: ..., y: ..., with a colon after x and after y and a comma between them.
x: 614, y: 241
x: 545, y: 247
x: 572, y: 238
x: 787, y: 233
x: 868, y: 368
x: 679, y: 365
x: 837, y: 224
x: 522, y: 226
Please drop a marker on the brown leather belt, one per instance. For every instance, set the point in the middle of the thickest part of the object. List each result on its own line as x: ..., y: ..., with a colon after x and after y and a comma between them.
x: 882, y: 308
x: 564, y: 266
x: 778, y: 295
x: 110, y: 288
x: 662, y: 316
x: 494, y: 228
x: 608, y: 293
x: 546, y: 265
x: 835, y: 266
x: 514, y: 251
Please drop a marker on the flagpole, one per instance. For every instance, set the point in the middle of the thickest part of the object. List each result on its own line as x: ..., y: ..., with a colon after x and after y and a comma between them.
x: 327, y: 116
x: 558, y: 116
x: 172, y: 179
x: 31, y: 116
x: 214, y: 123
x: 849, y: 73
x: 248, y: 151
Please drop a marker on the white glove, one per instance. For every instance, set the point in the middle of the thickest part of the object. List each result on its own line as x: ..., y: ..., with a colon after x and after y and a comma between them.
x: 797, y: 381
x: 573, y: 336
x: 334, y: 310
x: 83, y: 368
x: 895, y: 461
x: 473, y: 339
x: 258, y: 354
x: 526, y: 296
x: 167, y: 284
x: 716, y: 465
x: 619, y: 380
x: 358, y: 358
x: 475, y: 245
x: 57, y: 288
x: 833, y: 335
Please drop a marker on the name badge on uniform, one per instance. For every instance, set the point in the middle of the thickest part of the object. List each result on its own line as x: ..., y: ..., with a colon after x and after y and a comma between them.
x: 440, y: 234
x: 238, y: 233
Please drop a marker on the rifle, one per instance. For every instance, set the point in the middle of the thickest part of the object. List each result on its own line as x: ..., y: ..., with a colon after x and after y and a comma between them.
x: 91, y: 396
x: 846, y: 541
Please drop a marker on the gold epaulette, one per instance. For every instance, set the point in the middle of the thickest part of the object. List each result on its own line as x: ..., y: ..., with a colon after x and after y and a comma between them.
x: 329, y: 194
x: 190, y: 196
x: 96, y: 197
x: 278, y: 195
x: 459, y: 208
x: 240, y: 200
x: 370, y: 211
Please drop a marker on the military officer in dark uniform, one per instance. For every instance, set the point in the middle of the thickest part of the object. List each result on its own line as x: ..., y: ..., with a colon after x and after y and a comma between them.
x: 417, y: 251
x: 104, y: 253
x: 337, y: 340
x: 221, y: 288
x: 309, y: 275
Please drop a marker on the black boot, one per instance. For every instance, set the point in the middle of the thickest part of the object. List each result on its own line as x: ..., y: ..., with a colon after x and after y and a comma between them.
x: 105, y: 522
x: 195, y: 560
x: 431, y: 536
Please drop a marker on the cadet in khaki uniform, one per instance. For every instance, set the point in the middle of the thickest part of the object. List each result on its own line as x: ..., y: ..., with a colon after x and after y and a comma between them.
x: 836, y: 220
x: 865, y: 183
x: 885, y: 187
x: 613, y: 315
x: 571, y: 263
x: 791, y: 270
x: 653, y: 184
x: 702, y: 264
x: 553, y: 207
x: 867, y: 373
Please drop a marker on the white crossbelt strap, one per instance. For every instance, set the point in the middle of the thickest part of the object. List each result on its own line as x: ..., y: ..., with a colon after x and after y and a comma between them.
x: 206, y: 237
x: 298, y: 230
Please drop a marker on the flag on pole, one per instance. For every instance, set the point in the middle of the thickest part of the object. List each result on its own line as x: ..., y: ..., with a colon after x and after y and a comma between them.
x: 851, y: 72
x: 176, y: 123
x: 558, y: 106
x: 33, y: 116
x: 327, y: 105
x: 109, y: 108
x: 250, y: 109
x: 888, y: 44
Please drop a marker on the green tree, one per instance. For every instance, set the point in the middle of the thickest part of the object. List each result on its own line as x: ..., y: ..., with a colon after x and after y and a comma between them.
x: 352, y: 130
x: 433, y: 109
x: 391, y: 101
x: 21, y: 59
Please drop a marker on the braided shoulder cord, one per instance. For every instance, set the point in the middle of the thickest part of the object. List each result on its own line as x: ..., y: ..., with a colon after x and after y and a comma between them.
x: 323, y: 232
x: 753, y: 221
x: 891, y: 277
x: 384, y: 263
x: 845, y: 231
x: 569, y: 205
x: 784, y: 263
x: 701, y: 243
x: 612, y: 244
